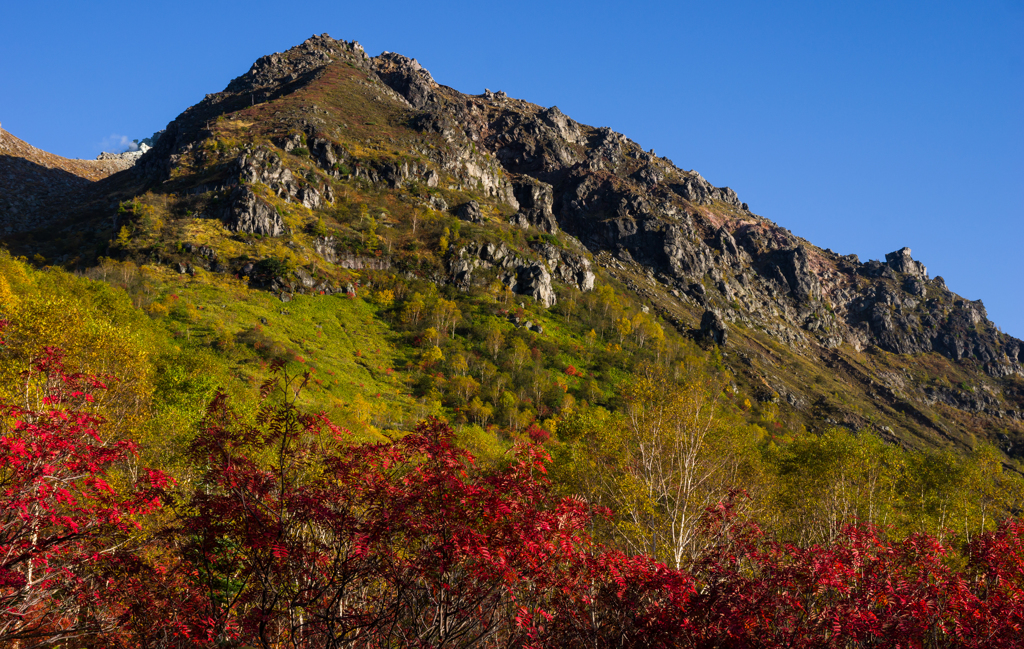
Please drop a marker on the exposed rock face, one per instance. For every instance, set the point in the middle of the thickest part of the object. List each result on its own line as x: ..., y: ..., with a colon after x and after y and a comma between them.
x: 713, y: 328
x: 525, y: 276
x: 325, y: 247
x: 535, y: 201
x: 356, y: 262
x: 567, y: 267
x: 470, y: 212
x: 535, y: 280
x: 249, y: 213
x: 698, y: 191
x: 789, y: 268
x: 310, y: 198
x: 901, y: 262
x: 265, y: 167
x: 406, y: 76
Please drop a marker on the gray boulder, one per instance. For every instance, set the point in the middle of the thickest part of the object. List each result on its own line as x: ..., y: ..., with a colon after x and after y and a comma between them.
x: 470, y: 212
x: 439, y: 204
x: 304, y: 277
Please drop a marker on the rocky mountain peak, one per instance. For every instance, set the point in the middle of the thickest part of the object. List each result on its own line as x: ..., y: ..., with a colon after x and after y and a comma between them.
x: 301, y: 131
x: 296, y: 64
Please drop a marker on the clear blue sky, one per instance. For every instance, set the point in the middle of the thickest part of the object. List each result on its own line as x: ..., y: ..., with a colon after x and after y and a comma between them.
x: 860, y: 126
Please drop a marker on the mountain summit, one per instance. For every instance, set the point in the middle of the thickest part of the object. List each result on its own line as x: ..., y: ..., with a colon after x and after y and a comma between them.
x: 319, y: 150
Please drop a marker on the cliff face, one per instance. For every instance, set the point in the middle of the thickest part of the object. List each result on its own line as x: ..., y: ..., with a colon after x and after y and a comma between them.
x: 307, y: 123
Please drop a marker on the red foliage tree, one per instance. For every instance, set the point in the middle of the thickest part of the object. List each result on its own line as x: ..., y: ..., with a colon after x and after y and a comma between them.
x: 60, y: 517
x: 861, y: 591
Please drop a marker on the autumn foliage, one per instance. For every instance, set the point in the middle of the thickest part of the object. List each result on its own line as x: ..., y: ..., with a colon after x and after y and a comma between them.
x: 61, y: 513
x: 293, y: 535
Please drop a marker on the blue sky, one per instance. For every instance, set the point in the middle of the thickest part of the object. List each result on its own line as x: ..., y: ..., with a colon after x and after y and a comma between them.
x: 862, y: 127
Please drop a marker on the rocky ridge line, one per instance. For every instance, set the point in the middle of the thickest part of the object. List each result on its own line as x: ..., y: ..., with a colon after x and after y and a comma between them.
x: 724, y: 259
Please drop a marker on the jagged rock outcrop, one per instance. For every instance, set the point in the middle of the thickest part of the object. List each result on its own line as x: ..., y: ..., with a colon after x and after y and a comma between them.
x: 698, y: 191
x: 534, y: 280
x: 567, y: 267
x: 713, y: 328
x: 406, y: 76
x: 790, y: 269
x: 268, y: 72
x: 535, y: 202
x: 470, y: 212
x: 265, y: 167
x: 326, y: 248
x: 901, y: 262
x: 310, y: 198
x: 249, y: 213
x: 524, y: 276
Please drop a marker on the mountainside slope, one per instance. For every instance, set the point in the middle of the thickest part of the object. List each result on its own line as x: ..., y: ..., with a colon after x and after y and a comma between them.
x: 33, y: 181
x: 322, y: 166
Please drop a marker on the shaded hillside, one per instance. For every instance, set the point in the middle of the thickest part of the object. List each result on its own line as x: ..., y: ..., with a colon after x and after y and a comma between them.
x: 34, y: 184
x: 322, y: 166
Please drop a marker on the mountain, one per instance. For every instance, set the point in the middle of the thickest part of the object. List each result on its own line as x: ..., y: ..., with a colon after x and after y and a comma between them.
x: 33, y: 182
x: 322, y: 169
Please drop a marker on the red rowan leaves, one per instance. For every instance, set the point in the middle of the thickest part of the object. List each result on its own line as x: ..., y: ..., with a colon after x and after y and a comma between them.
x: 59, y: 516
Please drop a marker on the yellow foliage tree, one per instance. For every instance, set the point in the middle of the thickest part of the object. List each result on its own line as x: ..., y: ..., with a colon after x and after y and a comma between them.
x: 432, y: 357
x: 623, y: 326
x: 384, y: 298
x: 96, y: 326
x: 412, y: 312
x: 671, y: 453
x: 646, y: 330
